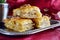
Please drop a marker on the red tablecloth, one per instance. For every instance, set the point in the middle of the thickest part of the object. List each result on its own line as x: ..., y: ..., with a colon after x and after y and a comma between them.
x: 53, y: 7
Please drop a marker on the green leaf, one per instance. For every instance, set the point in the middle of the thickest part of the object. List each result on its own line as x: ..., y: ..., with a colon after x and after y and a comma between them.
x: 2, y: 1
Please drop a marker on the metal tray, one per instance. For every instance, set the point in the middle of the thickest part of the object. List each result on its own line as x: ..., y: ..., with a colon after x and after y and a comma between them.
x: 54, y: 23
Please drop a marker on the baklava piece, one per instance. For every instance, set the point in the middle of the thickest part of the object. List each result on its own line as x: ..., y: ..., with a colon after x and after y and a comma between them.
x: 42, y: 22
x: 27, y: 11
x: 19, y: 25
x: 46, y: 22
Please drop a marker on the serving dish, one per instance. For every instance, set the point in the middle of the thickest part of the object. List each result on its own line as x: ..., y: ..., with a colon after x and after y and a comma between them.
x: 54, y: 23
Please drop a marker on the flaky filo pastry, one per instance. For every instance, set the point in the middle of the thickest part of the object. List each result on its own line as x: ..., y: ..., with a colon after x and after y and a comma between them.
x: 25, y: 18
x: 42, y: 22
x: 27, y: 11
x: 19, y: 25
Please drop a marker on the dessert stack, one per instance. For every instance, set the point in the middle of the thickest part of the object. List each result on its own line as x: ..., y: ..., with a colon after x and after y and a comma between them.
x: 26, y: 18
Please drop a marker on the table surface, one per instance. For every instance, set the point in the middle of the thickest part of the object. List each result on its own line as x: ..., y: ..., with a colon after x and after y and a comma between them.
x: 52, y: 34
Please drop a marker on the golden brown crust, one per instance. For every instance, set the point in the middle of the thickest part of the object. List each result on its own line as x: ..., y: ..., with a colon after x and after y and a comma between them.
x: 16, y: 12
x: 46, y: 18
x: 27, y: 11
x: 38, y: 22
x: 19, y: 25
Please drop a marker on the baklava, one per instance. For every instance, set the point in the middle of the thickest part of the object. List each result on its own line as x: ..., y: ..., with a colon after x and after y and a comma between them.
x: 27, y: 11
x: 19, y: 25
x: 46, y: 22
x: 42, y: 22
